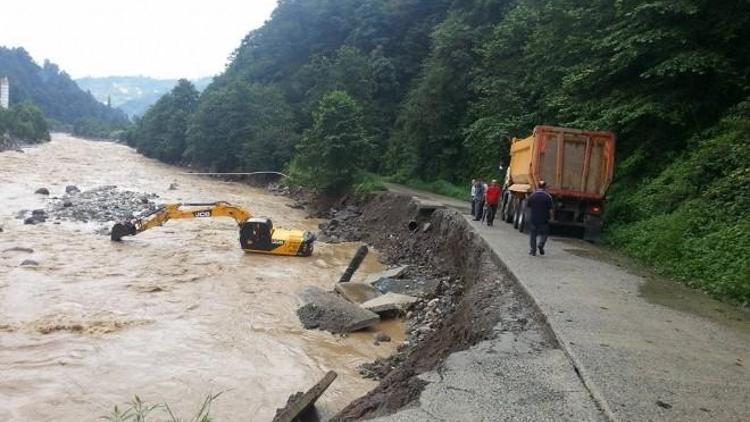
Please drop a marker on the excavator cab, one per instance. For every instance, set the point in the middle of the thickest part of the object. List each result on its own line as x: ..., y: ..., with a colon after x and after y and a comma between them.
x: 256, y: 234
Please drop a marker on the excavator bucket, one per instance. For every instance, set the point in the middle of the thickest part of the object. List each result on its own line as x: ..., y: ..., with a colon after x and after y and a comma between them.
x: 121, y: 230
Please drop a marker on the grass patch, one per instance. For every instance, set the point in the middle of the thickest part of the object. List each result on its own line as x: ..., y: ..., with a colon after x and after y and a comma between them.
x: 692, y: 221
x: 139, y: 411
x: 368, y: 183
x: 441, y: 187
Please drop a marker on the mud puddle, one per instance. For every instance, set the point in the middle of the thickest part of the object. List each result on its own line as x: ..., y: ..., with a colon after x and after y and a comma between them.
x: 172, y: 314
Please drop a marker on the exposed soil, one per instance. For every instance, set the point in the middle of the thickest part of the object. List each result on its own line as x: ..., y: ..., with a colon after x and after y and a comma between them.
x: 473, y: 295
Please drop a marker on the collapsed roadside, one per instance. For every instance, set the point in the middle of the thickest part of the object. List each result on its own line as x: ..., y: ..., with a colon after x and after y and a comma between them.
x: 475, y: 300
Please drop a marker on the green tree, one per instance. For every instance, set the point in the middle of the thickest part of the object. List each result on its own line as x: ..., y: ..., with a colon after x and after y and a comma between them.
x: 242, y: 127
x: 334, y: 150
x: 162, y: 131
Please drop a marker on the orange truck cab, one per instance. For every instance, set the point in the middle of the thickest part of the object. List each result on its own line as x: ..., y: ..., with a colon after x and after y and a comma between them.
x: 577, y: 166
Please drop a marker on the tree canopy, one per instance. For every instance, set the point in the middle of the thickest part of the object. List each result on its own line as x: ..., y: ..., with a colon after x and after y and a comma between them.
x: 442, y: 86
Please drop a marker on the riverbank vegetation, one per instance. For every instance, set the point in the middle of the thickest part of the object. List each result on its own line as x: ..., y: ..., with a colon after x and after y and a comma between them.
x: 24, y: 124
x: 443, y: 86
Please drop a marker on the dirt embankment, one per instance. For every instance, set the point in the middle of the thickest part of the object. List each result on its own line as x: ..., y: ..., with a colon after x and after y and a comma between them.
x: 473, y: 294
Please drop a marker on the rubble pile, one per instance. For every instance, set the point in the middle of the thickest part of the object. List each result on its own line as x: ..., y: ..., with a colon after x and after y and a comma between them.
x: 102, y: 204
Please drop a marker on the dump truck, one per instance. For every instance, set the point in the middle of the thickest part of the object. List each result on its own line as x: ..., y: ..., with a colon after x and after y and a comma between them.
x: 577, y: 166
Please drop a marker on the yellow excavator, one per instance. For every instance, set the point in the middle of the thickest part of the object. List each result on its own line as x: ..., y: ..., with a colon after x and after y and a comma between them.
x: 256, y: 234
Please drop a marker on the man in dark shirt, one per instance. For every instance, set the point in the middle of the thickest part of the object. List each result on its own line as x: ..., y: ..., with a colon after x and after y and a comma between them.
x: 540, y: 204
x: 479, y: 191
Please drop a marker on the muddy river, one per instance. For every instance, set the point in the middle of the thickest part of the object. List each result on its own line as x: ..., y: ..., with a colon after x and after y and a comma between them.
x: 171, y: 315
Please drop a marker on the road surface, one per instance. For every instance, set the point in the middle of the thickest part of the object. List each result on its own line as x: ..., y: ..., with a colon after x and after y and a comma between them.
x: 646, y: 349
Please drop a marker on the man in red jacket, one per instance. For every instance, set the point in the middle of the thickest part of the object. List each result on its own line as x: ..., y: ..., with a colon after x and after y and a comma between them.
x: 492, y: 198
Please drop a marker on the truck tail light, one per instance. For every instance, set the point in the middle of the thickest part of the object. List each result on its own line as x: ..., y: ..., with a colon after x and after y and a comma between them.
x: 595, y: 209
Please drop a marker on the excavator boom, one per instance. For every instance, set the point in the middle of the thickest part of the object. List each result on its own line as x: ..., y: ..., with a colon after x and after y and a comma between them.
x: 256, y: 234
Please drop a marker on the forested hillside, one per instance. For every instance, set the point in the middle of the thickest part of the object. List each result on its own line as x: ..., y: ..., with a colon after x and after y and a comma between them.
x: 441, y: 86
x: 55, y: 93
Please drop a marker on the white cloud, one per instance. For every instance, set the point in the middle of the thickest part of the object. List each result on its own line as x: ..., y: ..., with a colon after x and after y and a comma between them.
x: 158, y: 38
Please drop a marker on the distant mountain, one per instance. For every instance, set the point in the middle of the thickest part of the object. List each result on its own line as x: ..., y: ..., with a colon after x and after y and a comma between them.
x: 53, y: 91
x: 132, y: 94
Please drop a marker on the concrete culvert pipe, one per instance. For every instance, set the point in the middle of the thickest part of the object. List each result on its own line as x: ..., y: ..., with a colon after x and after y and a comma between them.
x: 413, y: 226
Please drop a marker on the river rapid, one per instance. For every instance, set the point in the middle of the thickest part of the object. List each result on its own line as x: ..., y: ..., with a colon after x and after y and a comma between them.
x: 172, y: 314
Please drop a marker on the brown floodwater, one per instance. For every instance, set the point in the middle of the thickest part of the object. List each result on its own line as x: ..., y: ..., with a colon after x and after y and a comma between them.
x: 171, y: 315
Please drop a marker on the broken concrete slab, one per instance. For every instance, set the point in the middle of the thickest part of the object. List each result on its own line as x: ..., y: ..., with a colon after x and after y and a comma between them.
x: 328, y: 311
x: 395, y: 272
x: 389, y: 302
x: 418, y: 287
x: 299, y: 404
x: 357, y: 292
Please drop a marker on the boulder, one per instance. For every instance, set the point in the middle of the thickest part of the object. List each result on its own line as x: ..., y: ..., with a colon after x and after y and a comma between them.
x: 173, y: 186
x: 356, y: 292
x: 42, y: 191
x: 71, y: 189
x: 382, y: 337
x: 389, y: 303
x: 29, y: 263
x: 395, y: 272
x: 328, y: 311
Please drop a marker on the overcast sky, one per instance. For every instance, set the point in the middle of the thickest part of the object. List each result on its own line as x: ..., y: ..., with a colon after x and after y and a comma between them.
x: 158, y: 38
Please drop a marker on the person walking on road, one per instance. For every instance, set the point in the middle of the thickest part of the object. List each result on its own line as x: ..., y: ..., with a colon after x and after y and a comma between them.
x: 473, y: 193
x: 478, y: 203
x: 541, y: 206
x: 492, y: 197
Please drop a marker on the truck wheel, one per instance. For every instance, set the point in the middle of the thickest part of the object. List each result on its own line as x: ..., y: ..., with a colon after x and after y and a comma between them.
x: 505, y: 212
x: 522, y: 217
x: 592, y: 228
x: 509, y: 209
x: 504, y: 207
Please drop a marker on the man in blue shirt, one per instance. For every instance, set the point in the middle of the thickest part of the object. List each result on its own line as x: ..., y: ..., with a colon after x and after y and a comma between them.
x: 541, y: 207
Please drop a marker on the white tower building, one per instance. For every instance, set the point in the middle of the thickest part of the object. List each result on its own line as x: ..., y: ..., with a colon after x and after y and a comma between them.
x: 4, y: 92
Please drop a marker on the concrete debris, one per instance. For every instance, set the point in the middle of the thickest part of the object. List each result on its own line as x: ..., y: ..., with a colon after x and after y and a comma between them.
x: 420, y: 287
x: 173, y: 186
x: 354, y: 264
x: 300, y: 405
x: 357, y: 292
x: 329, y: 312
x: 42, y: 191
x: 389, y: 303
x: 72, y: 189
x: 396, y: 272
